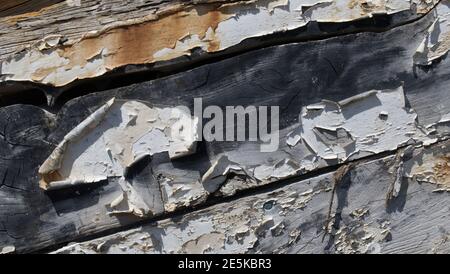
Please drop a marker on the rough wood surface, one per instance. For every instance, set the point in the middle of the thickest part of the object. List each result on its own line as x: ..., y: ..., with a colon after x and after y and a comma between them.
x: 391, y: 88
x: 292, y: 219
x: 15, y: 7
x: 66, y: 42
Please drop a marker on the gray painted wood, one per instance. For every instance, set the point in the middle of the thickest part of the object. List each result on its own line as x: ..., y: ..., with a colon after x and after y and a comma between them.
x: 15, y: 7
x: 292, y: 219
x: 280, y: 75
x: 61, y: 40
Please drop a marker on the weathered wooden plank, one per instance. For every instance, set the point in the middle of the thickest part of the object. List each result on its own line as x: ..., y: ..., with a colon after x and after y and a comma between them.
x: 292, y: 218
x: 28, y: 216
x: 15, y: 7
x: 69, y: 42
x: 292, y: 76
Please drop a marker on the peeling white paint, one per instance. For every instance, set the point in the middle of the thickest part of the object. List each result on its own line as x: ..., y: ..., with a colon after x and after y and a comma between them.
x: 114, y: 137
x: 217, y: 174
x: 364, y: 124
x: 281, y: 170
x: 437, y: 42
x: 430, y: 166
x: 293, y: 139
x: 398, y: 180
x: 129, y: 202
x: 361, y: 239
x: 182, y: 194
x: 59, y: 65
x: 73, y: 3
x: 445, y: 118
x: 229, y: 228
x: 341, y: 129
x: 8, y: 249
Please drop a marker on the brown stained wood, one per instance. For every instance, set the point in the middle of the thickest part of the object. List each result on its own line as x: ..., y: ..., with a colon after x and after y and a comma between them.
x: 67, y: 43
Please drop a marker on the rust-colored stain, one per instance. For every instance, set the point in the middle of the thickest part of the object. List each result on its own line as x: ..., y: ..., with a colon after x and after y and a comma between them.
x: 353, y: 3
x: 169, y: 33
x: 441, y: 170
x: 425, y: 5
x: 367, y: 7
x: 136, y: 44
x: 49, y: 177
x: 41, y: 73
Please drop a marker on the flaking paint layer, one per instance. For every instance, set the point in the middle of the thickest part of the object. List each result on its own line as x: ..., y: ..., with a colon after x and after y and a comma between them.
x: 176, y: 32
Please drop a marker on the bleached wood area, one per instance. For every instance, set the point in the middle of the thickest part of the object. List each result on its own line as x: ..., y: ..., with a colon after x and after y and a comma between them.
x: 97, y: 157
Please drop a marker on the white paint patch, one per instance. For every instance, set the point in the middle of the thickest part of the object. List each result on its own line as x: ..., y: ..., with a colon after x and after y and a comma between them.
x: 73, y: 3
x: 340, y: 129
x: 182, y: 194
x: 248, y: 20
x: 129, y: 202
x: 430, y: 166
x: 8, y: 249
x: 115, y: 136
x: 437, y: 42
x: 283, y: 169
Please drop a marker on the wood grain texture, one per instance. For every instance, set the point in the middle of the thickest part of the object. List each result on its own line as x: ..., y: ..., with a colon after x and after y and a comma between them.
x: 292, y: 219
x: 28, y: 215
x: 67, y: 43
x: 291, y: 76
x: 15, y: 7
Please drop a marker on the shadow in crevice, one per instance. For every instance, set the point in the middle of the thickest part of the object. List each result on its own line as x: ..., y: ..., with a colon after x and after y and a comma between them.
x: 342, y: 189
x: 313, y: 31
x: 28, y: 96
x: 198, y: 161
x: 76, y: 198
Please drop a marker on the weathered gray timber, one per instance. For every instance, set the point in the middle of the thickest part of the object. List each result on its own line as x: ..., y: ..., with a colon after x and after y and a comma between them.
x: 391, y: 88
x: 292, y: 218
x: 74, y: 40
x: 15, y: 7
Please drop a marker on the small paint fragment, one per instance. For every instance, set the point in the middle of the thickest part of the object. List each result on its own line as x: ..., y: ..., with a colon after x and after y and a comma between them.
x: 436, y: 44
x: 8, y: 249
